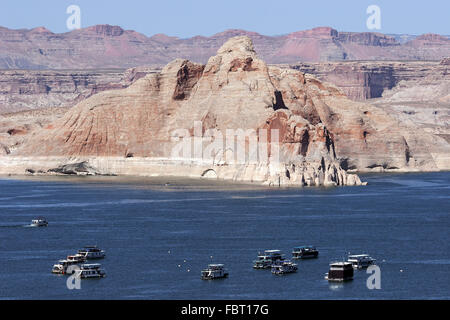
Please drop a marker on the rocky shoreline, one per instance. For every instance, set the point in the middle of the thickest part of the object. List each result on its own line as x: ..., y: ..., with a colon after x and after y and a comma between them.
x: 145, y: 167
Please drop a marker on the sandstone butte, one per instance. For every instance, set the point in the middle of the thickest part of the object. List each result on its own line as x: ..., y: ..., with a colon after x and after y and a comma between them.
x: 321, y: 132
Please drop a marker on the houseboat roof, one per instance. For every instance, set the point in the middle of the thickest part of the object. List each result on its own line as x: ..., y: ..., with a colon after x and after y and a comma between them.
x: 304, y: 247
x: 63, y: 261
x: 358, y: 256
x: 90, y: 249
x: 215, y: 265
x: 272, y: 251
x: 340, y: 264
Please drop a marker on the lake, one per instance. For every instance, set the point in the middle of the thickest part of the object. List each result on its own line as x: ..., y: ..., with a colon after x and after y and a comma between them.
x: 159, y: 234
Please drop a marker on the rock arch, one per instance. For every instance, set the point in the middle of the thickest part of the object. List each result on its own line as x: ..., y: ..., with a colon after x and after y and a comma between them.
x: 210, y: 173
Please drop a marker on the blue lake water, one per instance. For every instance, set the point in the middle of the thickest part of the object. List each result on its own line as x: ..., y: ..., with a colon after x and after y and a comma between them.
x: 158, y: 237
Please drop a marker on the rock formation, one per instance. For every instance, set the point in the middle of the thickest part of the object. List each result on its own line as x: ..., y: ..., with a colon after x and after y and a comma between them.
x: 79, y: 169
x: 138, y: 130
x: 321, y: 133
x: 22, y: 90
x: 105, y: 46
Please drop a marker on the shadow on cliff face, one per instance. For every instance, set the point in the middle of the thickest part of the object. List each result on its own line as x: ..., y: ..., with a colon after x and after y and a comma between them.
x: 279, y: 102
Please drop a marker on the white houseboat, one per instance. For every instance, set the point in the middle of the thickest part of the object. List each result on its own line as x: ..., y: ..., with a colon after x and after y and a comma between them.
x: 92, y: 252
x: 305, y: 252
x: 76, y: 259
x: 267, y: 259
x: 361, y: 261
x: 62, y: 265
x: 284, y: 268
x: 90, y: 271
x: 214, y: 271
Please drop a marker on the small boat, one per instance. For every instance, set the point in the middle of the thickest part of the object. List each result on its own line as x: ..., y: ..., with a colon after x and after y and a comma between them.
x: 214, y: 271
x: 284, y: 268
x: 90, y: 271
x: 340, y: 271
x: 62, y: 265
x: 305, y: 252
x: 92, y: 252
x: 39, y: 222
x: 267, y: 259
x: 361, y: 261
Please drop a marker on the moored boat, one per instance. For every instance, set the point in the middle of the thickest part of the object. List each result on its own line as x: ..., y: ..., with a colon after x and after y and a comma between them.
x: 92, y: 252
x: 62, y: 266
x: 284, y: 268
x: 305, y: 252
x: 90, y: 271
x: 267, y: 259
x: 361, y: 261
x: 76, y: 259
x: 214, y: 271
x: 340, y: 271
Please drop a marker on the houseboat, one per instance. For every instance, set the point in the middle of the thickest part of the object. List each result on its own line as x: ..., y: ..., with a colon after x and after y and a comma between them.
x: 284, y: 268
x: 39, y: 222
x: 214, y: 271
x: 361, y: 261
x: 76, y: 259
x: 92, y: 252
x: 90, y: 271
x: 305, y: 252
x: 62, y: 265
x: 267, y: 259
x: 340, y: 271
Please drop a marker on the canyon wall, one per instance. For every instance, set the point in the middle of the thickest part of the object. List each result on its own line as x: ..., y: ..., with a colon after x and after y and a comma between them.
x: 22, y: 90
x: 105, y: 46
x: 361, y: 80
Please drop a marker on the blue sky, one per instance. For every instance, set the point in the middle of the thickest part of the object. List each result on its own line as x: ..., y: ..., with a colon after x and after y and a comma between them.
x: 186, y: 18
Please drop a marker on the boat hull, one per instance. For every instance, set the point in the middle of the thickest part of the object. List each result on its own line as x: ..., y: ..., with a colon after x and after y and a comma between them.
x: 338, y: 279
x: 215, y: 277
x: 39, y: 225
x: 309, y: 256
x: 93, y: 276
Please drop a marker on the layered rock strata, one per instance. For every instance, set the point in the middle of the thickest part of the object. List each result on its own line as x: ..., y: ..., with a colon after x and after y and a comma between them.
x: 362, y: 80
x: 22, y: 90
x: 145, y: 129
x: 105, y: 46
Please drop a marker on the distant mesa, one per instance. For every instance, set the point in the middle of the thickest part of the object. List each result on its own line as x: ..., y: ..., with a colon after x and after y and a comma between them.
x: 114, y: 47
x: 161, y: 37
x: 40, y: 30
x: 106, y: 30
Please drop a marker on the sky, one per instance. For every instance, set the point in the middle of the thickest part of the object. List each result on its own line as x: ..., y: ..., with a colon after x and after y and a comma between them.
x: 187, y: 18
